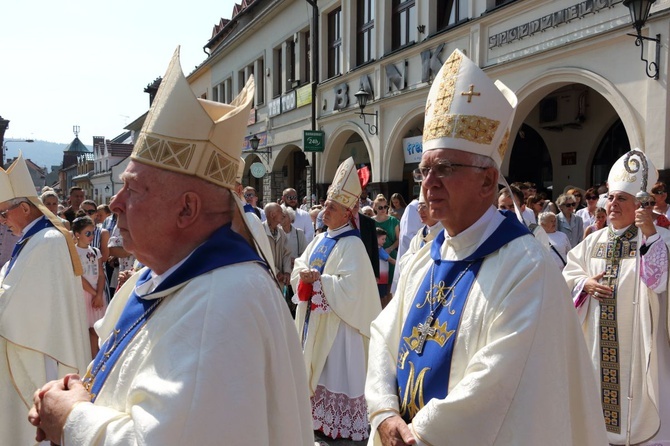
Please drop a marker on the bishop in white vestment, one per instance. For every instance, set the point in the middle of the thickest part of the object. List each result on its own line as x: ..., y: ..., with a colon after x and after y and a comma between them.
x: 337, y: 299
x: 43, y: 327
x: 480, y: 345
x: 619, y: 280
x: 198, y: 347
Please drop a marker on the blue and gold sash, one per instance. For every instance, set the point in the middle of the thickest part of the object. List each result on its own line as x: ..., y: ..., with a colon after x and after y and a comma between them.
x: 428, y: 337
x: 318, y: 261
x: 42, y: 223
x: 225, y: 247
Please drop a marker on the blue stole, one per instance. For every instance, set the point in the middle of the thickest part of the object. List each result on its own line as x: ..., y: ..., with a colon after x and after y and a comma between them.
x: 41, y: 223
x: 317, y: 261
x: 427, y: 341
x: 225, y: 247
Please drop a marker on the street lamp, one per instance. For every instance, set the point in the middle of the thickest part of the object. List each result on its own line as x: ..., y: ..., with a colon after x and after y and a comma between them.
x: 362, y: 98
x: 639, y: 13
x: 267, y: 153
x: 5, y: 148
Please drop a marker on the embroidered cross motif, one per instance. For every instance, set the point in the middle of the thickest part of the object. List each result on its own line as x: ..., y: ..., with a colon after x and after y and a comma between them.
x: 425, y: 330
x: 470, y: 93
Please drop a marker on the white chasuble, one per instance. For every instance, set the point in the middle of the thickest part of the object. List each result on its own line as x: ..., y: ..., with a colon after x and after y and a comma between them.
x: 615, y: 350
x: 520, y: 373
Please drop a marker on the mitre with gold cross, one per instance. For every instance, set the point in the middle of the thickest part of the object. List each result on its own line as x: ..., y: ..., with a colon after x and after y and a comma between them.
x: 466, y: 110
x: 194, y: 136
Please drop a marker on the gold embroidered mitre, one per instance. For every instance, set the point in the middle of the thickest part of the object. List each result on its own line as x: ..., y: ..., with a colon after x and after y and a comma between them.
x: 346, y: 187
x: 16, y: 182
x: 466, y: 110
x: 194, y: 136
x: 627, y: 173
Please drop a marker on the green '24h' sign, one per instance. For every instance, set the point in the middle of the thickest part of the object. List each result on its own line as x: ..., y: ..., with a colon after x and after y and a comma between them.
x: 313, y: 140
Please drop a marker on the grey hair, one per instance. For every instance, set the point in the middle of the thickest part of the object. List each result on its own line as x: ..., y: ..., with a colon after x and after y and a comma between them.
x: 560, y: 201
x: 49, y: 193
x: 544, y: 216
x: 290, y: 212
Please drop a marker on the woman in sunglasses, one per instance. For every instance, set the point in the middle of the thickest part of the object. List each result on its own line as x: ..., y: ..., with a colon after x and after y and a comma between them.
x: 588, y: 213
x: 93, y: 278
x: 568, y: 223
x: 391, y: 225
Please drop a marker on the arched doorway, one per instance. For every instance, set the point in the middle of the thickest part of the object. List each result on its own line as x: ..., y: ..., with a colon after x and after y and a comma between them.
x: 530, y: 159
x: 612, y: 146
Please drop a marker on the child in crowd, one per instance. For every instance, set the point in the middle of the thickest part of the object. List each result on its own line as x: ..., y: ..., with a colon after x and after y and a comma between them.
x: 601, y: 222
x: 384, y: 260
x: 93, y: 280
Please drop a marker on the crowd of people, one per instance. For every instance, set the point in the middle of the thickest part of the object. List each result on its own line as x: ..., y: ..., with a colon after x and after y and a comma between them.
x: 492, y: 317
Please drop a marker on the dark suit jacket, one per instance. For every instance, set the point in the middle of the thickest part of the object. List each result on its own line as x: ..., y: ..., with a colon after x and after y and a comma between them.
x: 369, y: 237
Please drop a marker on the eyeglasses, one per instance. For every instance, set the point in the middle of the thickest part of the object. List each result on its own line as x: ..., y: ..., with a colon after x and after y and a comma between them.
x: 291, y: 197
x: 88, y: 233
x: 591, y: 197
x: 647, y: 204
x: 569, y: 205
x: 660, y: 192
x: 249, y: 195
x: 382, y: 208
x: 441, y: 169
x: 422, y: 206
x: 91, y: 211
x: 4, y: 213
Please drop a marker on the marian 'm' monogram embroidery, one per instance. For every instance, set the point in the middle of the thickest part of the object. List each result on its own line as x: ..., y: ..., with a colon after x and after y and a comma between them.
x: 412, y: 399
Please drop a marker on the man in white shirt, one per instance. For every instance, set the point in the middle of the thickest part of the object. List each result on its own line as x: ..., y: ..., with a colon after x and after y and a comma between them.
x: 302, y: 218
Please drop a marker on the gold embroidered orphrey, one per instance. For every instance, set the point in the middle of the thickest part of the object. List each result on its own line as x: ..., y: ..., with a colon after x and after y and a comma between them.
x: 615, y: 250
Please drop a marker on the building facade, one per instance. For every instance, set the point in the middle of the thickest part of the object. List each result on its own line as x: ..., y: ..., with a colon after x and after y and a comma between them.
x: 584, y: 96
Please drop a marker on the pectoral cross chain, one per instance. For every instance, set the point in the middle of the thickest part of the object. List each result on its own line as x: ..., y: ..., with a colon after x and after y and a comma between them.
x: 425, y: 330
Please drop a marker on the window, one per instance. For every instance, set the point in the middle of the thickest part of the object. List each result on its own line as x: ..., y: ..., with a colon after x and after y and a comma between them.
x: 260, y: 81
x: 334, y: 43
x: 290, y: 64
x: 306, y: 64
x: 450, y: 12
x: 228, y: 90
x: 403, y: 22
x: 277, y: 72
x: 365, y: 14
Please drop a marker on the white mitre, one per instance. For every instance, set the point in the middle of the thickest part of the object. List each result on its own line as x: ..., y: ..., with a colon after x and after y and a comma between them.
x: 16, y: 182
x: 346, y: 187
x: 194, y: 136
x: 466, y: 110
x: 632, y: 173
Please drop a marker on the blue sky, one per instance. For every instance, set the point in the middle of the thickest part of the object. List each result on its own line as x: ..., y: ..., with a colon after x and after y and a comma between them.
x: 86, y: 63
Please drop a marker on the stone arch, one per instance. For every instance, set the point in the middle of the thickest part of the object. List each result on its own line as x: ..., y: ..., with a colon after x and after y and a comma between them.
x: 394, y: 160
x: 539, y: 87
x: 330, y: 158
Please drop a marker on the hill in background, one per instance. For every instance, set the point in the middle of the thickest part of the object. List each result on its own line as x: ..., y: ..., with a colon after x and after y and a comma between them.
x: 42, y: 153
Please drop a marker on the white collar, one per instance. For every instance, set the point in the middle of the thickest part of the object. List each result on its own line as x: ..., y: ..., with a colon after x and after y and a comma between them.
x: 465, y: 243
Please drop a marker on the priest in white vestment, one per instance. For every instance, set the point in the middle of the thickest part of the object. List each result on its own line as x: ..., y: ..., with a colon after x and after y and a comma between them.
x: 337, y: 299
x: 480, y: 346
x: 198, y: 347
x: 619, y: 278
x: 43, y: 326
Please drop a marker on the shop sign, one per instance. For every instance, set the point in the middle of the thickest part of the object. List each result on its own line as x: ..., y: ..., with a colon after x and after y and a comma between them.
x: 412, y: 148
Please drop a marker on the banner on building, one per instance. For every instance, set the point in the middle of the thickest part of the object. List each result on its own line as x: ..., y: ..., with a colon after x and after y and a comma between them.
x: 412, y: 149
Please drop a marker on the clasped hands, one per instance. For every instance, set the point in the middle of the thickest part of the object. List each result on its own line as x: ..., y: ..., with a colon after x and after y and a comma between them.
x: 309, y: 275
x: 53, y: 403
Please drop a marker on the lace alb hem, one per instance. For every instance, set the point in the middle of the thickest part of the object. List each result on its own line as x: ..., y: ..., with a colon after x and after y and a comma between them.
x: 339, y: 416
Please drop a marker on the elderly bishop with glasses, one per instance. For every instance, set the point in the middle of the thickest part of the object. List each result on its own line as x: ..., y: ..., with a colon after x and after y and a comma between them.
x: 619, y: 280
x: 480, y: 345
x: 43, y: 326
